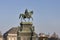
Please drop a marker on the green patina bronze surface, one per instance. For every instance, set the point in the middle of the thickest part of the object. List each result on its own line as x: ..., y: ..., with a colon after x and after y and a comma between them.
x: 27, y: 15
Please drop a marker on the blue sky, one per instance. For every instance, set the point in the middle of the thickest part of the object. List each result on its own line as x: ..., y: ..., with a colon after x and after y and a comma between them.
x: 46, y: 14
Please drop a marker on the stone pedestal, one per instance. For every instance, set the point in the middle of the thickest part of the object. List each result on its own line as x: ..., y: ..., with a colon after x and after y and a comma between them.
x: 25, y: 31
x: 25, y: 26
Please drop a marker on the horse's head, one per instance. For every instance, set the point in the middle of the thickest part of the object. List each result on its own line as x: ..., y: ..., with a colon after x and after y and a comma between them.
x: 31, y: 12
x: 28, y: 13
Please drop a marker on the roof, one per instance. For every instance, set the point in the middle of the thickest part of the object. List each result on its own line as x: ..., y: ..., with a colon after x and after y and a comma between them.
x: 13, y: 30
x: 54, y: 35
x: 43, y: 35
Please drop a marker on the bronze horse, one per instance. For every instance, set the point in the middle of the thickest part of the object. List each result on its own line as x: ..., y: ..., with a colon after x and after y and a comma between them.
x: 27, y: 15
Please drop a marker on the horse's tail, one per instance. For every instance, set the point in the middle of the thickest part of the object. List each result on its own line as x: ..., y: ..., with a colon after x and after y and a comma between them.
x: 20, y: 16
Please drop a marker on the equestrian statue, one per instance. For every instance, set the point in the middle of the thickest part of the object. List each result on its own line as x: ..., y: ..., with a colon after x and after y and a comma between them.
x: 27, y: 15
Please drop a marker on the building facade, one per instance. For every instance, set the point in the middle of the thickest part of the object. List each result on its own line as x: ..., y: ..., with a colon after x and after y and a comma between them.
x: 1, y: 36
x: 11, y: 34
x: 43, y: 36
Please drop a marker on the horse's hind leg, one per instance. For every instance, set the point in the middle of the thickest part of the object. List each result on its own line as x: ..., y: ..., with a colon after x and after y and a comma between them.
x: 32, y: 18
x: 24, y: 20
